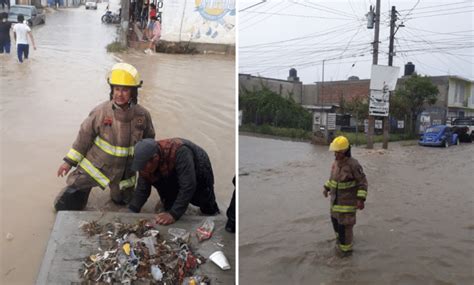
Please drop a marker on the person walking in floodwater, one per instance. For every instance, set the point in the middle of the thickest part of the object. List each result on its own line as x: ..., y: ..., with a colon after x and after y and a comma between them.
x: 347, y: 187
x: 104, y: 147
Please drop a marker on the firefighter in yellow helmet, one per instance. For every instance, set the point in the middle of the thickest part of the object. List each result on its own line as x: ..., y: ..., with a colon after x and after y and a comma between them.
x: 103, y: 150
x: 347, y: 187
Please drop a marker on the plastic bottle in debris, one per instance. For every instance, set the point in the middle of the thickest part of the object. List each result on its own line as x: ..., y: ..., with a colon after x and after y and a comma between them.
x: 205, y: 231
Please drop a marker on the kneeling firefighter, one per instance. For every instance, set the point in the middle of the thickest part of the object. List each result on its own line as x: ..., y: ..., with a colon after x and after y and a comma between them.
x: 103, y: 149
x: 347, y: 187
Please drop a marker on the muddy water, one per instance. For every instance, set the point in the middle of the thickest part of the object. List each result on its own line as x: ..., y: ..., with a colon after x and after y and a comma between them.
x: 43, y: 102
x: 417, y: 227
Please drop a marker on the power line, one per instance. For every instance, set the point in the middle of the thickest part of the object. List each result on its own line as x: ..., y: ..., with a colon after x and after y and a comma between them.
x: 443, y: 14
x: 323, y: 8
x: 297, y: 15
x: 436, y: 6
x: 251, y: 6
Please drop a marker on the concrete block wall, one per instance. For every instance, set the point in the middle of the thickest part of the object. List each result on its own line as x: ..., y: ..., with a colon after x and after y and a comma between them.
x: 331, y: 92
x: 282, y: 87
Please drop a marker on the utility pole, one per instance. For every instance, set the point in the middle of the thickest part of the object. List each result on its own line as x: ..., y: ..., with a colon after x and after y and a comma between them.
x: 375, y: 60
x: 124, y: 22
x: 322, y: 85
x: 386, y: 121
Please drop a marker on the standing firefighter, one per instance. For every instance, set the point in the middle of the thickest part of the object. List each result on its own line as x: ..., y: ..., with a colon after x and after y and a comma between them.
x: 103, y: 148
x: 348, y: 189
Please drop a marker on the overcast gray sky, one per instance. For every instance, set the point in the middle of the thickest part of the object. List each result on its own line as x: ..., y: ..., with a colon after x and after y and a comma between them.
x: 277, y: 35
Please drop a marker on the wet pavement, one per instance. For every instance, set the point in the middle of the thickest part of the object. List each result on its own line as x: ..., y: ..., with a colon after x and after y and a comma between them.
x: 44, y: 100
x: 417, y: 226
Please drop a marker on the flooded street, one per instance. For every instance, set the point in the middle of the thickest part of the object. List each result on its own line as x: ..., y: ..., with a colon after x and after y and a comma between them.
x: 417, y: 226
x: 44, y: 101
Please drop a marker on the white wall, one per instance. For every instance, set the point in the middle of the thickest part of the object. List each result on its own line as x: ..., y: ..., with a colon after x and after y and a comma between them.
x: 203, y: 21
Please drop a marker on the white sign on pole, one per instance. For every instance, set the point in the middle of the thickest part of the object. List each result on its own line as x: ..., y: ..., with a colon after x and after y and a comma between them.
x: 379, y: 102
x: 383, y: 80
x: 384, y: 76
x: 241, y: 113
x: 378, y: 124
x: 401, y: 124
x: 331, y: 121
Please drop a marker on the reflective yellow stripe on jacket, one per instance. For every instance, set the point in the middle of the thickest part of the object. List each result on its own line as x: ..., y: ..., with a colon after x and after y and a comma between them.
x: 128, y: 183
x: 95, y: 173
x: 361, y: 193
x: 118, y: 151
x: 340, y: 185
x: 74, y: 155
x: 343, y: 209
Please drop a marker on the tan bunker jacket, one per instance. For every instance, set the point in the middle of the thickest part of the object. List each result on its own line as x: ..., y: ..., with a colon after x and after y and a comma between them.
x: 104, y: 145
x: 346, y: 184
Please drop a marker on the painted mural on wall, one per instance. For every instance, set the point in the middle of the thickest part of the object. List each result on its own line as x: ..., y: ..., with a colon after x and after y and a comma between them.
x: 216, y: 18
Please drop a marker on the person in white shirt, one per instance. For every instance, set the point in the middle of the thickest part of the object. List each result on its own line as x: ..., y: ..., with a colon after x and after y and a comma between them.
x: 21, y: 31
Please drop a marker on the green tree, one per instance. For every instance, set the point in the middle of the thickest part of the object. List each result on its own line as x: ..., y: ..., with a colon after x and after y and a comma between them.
x: 357, y: 107
x: 412, y: 97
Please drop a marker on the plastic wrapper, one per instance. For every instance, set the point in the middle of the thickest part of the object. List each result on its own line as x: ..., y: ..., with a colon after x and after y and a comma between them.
x: 204, y: 232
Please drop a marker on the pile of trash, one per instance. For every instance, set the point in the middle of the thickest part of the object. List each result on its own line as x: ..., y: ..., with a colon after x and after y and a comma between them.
x: 137, y: 252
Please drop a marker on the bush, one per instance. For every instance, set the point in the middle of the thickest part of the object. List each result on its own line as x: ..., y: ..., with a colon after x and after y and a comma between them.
x: 275, y: 131
x: 361, y: 138
x: 115, y: 46
x: 264, y: 107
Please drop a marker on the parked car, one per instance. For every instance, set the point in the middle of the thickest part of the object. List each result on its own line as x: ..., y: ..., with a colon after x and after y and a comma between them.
x: 465, y: 123
x: 91, y: 5
x: 463, y: 134
x: 32, y: 15
x: 439, y: 135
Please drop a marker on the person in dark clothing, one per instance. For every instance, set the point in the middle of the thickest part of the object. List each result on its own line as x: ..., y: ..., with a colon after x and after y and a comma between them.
x: 180, y: 171
x: 7, y: 3
x: 230, y: 225
x: 5, y: 26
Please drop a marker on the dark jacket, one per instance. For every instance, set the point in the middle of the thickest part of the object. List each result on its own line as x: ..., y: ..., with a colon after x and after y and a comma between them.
x: 191, y: 180
x: 5, y: 32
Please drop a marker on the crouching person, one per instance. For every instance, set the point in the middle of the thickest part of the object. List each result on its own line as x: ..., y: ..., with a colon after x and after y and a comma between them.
x: 180, y: 171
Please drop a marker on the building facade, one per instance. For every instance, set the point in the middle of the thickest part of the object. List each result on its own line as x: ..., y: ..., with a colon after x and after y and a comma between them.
x: 455, y: 98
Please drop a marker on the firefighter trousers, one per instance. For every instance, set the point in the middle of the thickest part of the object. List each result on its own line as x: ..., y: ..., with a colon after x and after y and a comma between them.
x: 79, y: 185
x: 344, y: 234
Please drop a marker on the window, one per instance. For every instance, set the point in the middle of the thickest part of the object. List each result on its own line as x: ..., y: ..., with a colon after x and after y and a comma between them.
x: 459, y: 93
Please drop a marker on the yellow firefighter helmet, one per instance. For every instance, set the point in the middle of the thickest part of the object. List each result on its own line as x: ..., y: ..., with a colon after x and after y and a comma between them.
x: 124, y: 74
x: 339, y: 144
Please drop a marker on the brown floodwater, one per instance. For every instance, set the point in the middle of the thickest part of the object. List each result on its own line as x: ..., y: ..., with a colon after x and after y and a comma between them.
x: 417, y: 226
x: 44, y: 100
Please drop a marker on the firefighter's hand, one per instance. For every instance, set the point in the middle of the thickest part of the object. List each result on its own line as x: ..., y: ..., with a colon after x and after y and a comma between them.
x: 164, y: 219
x: 360, y: 204
x: 325, y: 193
x: 64, y: 169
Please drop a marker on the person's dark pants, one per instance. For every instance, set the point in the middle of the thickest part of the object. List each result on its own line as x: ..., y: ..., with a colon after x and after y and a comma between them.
x: 5, y: 47
x: 204, y: 198
x: 230, y: 225
x: 23, y: 50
